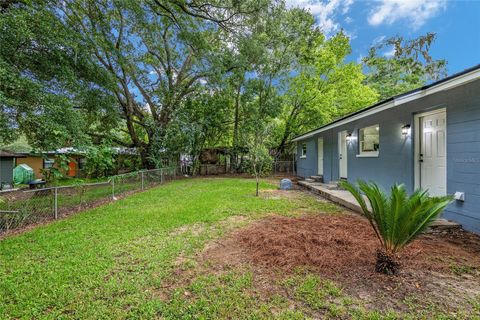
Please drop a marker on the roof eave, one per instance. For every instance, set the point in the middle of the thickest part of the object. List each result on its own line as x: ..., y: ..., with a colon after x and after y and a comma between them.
x: 453, y: 81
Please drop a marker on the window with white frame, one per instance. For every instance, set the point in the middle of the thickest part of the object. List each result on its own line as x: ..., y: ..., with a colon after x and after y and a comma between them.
x: 304, y: 150
x: 369, y: 141
x: 48, y: 163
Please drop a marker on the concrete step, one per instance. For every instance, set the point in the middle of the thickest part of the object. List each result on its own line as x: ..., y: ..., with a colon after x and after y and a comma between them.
x: 333, y: 185
x: 317, y: 178
x: 309, y: 180
x: 330, y: 191
x: 441, y: 224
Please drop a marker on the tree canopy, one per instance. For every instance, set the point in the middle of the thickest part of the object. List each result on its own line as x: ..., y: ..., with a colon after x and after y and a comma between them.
x: 170, y: 77
x: 410, y: 66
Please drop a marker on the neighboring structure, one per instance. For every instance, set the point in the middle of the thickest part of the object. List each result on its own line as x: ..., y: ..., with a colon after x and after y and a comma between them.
x: 34, y: 161
x: 427, y: 138
x: 7, y: 163
x: 125, y: 158
x: 215, y: 160
x: 46, y: 160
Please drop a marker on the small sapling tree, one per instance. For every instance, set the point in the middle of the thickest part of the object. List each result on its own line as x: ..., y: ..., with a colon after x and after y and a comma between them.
x: 260, y: 160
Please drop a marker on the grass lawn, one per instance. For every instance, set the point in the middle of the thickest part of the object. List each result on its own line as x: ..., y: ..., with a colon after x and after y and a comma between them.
x: 110, y: 262
x: 169, y: 253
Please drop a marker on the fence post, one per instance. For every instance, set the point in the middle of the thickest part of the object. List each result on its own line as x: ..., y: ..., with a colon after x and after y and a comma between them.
x: 55, y: 205
x: 161, y: 176
x: 141, y: 172
x: 113, y: 187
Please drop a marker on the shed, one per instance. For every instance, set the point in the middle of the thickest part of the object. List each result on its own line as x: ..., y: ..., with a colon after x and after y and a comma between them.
x: 7, y: 162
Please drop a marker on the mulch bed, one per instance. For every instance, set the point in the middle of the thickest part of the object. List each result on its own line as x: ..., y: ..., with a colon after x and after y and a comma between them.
x: 342, y: 247
x: 344, y: 243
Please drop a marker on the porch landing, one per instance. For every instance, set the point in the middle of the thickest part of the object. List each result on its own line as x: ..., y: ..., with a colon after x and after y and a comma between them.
x: 344, y: 198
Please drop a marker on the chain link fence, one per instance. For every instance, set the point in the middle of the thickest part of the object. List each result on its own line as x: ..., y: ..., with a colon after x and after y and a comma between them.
x: 19, y: 208
x: 285, y: 167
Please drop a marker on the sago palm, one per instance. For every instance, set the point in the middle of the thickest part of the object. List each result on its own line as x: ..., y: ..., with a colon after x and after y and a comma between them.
x: 396, y: 218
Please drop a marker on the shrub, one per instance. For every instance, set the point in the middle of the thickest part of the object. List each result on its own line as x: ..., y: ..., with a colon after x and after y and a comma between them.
x: 99, y: 161
x: 58, y: 170
x: 397, y: 218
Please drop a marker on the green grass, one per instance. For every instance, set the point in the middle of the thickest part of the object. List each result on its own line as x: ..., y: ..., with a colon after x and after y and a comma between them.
x: 110, y: 262
x: 228, y: 296
x: 71, y: 181
x: 119, y: 261
x: 36, y: 205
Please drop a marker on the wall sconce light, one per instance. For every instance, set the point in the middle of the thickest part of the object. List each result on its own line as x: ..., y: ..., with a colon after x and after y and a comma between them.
x: 406, y: 130
x: 349, y: 137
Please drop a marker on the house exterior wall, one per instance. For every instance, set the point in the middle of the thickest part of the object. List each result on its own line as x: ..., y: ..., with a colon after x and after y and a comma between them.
x: 306, y: 166
x: 36, y: 163
x: 395, y: 162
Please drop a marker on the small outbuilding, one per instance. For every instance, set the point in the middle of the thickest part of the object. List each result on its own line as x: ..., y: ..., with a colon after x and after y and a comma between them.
x: 7, y: 162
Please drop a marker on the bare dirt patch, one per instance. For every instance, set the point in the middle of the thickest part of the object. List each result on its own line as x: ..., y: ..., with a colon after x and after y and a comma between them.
x: 443, y: 267
x: 280, y: 194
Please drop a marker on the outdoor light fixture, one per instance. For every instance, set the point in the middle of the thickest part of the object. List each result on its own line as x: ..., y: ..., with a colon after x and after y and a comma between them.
x: 406, y: 130
x: 349, y: 137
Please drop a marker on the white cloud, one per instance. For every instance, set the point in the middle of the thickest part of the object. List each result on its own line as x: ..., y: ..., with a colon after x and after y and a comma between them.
x: 390, y: 53
x: 325, y: 12
x: 416, y: 12
x: 379, y: 39
x: 360, y: 58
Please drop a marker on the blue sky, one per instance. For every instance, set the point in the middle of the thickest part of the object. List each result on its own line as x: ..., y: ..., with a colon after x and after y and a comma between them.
x: 457, y: 24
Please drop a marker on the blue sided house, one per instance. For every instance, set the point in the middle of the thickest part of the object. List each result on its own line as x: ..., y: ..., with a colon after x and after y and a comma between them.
x: 427, y: 138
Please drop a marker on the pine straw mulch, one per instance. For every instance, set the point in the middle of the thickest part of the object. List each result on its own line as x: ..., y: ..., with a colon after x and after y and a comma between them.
x: 443, y: 267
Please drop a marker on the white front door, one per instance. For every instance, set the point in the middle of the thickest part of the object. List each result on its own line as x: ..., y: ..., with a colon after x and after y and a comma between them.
x: 433, y: 145
x: 320, y: 156
x: 342, y: 154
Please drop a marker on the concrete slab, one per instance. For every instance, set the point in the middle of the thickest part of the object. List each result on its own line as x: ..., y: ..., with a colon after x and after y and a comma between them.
x: 347, y: 200
x: 331, y: 192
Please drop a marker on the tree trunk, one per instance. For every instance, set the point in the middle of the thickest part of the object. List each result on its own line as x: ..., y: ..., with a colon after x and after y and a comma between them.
x: 235, y: 127
x: 144, y: 157
x: 257, y: 180
x: 386, y: 263
x: 288, y: 125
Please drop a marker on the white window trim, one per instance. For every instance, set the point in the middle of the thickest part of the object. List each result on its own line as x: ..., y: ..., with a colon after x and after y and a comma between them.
x: 303, y: 155
x: 50, y: 161
x: 371, y: 154
x: 367, y: 154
